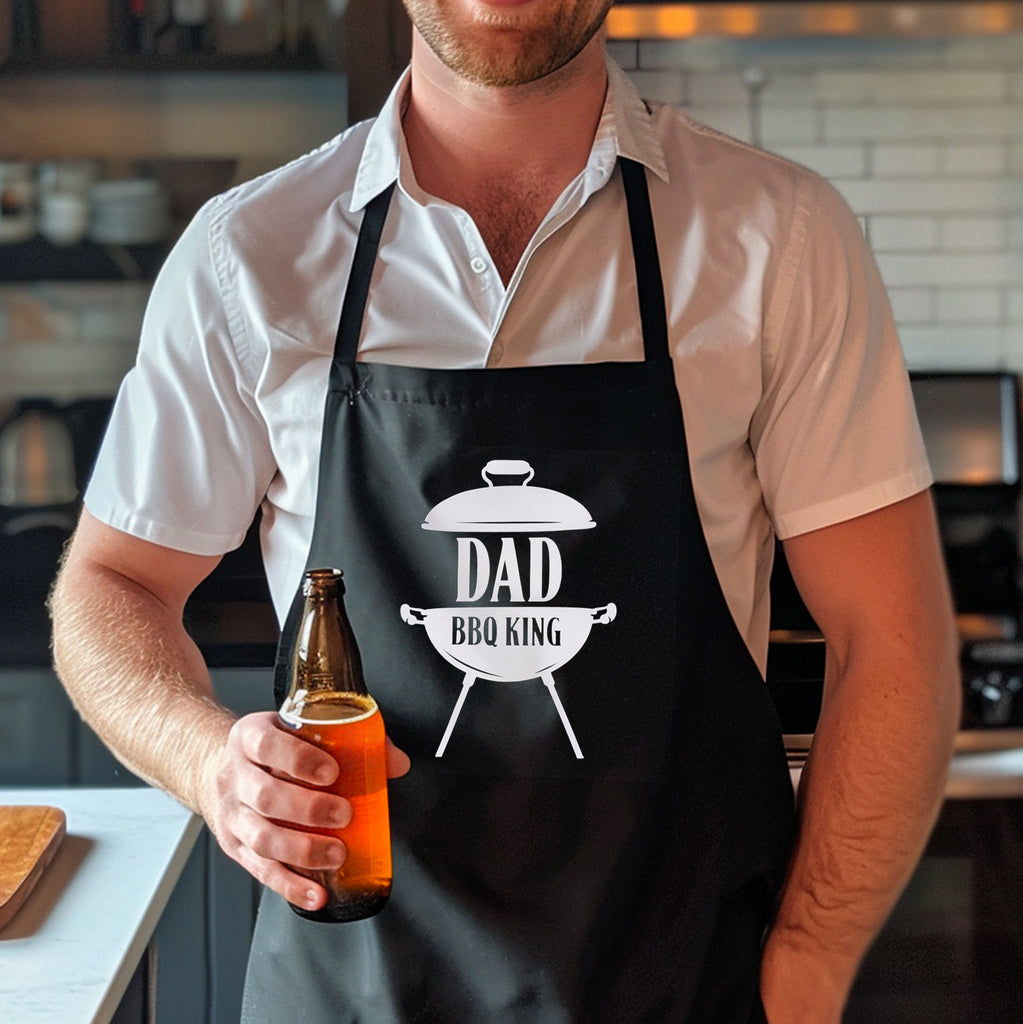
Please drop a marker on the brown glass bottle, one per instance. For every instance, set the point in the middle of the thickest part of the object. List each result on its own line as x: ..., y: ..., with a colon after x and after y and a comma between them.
x: 328, y: 704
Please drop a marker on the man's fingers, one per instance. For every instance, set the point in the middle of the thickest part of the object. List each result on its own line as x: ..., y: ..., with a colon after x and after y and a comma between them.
x: 276, y: 818
x: 289, y: 802
x: 398, y: 762
x: 275, y: 875
x: 267, y: 742
x: 275, y: 840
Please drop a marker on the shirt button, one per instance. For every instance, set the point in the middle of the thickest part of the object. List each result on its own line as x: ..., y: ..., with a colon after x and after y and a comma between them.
x: 478, y: 264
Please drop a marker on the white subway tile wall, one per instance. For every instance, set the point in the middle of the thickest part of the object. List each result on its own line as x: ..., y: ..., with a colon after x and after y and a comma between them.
x: 924, y: 138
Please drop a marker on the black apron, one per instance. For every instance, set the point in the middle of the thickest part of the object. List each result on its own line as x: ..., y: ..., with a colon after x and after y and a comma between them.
x: 599, y: 811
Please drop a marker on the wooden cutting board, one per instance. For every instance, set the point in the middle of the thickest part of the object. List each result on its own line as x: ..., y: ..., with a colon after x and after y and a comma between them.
x: 29, y: 837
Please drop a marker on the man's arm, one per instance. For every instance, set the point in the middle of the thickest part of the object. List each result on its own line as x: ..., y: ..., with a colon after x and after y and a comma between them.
x: 136, y: 677
x: 873, y: 784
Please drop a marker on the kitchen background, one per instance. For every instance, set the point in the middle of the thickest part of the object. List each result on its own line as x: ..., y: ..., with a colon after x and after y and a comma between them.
x: 923, y: 137
x: 922, y: 132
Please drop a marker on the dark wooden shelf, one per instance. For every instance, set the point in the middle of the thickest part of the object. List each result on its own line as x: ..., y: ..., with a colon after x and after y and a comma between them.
x: 39, y: 260
x: 306, y: 59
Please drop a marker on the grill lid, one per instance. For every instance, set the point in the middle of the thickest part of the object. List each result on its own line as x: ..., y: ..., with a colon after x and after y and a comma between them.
x: 504, y: 508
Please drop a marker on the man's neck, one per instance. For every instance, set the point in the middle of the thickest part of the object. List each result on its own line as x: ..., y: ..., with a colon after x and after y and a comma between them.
x: 458, y: 131
x: 518, y: 146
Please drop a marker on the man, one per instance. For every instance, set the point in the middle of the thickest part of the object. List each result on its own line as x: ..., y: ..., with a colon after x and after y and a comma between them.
x: 505, y: 305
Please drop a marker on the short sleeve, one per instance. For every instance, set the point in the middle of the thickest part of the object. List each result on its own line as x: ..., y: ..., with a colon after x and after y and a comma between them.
x: 185, y: 460
x: 835, y: 434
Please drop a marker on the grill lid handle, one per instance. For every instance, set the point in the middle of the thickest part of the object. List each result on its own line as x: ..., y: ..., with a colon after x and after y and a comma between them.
x: 507, y: 467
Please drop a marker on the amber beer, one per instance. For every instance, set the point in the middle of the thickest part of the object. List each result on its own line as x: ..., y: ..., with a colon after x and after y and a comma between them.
x: 328, y: 704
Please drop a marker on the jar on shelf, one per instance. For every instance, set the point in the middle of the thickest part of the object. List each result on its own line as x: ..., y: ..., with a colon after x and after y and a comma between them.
x: 17, y: 201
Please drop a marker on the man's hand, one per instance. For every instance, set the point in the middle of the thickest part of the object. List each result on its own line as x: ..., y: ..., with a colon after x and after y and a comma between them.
x: 267, y: 782
x: 137, y: 678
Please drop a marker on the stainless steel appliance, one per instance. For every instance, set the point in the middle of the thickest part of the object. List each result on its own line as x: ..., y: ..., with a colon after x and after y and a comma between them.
x: 971, y: 428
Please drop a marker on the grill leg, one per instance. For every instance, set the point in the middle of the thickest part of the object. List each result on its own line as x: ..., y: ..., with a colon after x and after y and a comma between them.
x: 467, y: 682
x: 548, y: 681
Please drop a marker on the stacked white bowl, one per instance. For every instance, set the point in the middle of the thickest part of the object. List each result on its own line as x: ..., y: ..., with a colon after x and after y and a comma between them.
x: 129, y: 211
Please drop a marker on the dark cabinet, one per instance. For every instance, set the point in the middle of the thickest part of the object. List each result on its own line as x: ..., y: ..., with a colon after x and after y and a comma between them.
x: 196, y: 964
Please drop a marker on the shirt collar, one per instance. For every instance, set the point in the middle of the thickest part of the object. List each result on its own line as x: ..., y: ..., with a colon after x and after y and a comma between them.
x: 632, y: 123
x: 379, y: 165
x: 626, y: 129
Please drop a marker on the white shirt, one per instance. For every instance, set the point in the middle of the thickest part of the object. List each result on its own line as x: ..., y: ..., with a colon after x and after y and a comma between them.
x: 795, y: 398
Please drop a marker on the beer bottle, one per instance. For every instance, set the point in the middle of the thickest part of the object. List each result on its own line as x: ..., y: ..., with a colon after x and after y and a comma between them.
x: 328, y: 704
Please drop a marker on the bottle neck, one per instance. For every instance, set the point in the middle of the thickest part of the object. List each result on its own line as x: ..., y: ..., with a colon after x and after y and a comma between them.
x: 326, y: 657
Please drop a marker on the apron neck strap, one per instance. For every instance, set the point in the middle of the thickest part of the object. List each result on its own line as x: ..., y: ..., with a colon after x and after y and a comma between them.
x: 353, y: 308
x: 652, y: 314
x: 644, y: 251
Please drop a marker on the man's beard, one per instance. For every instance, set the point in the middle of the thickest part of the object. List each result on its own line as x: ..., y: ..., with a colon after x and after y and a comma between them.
x: 498, y: 50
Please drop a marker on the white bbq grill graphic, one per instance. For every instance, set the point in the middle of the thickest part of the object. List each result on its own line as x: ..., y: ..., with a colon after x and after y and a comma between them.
x: 526, y: 638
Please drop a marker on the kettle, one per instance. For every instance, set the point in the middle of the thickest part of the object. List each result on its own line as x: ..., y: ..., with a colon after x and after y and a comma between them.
x: 37, y: 459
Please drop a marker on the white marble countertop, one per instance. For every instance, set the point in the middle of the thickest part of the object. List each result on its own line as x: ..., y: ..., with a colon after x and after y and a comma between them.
x: 986, y: 766
x: 986, y: 775
x: 68, y: 954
